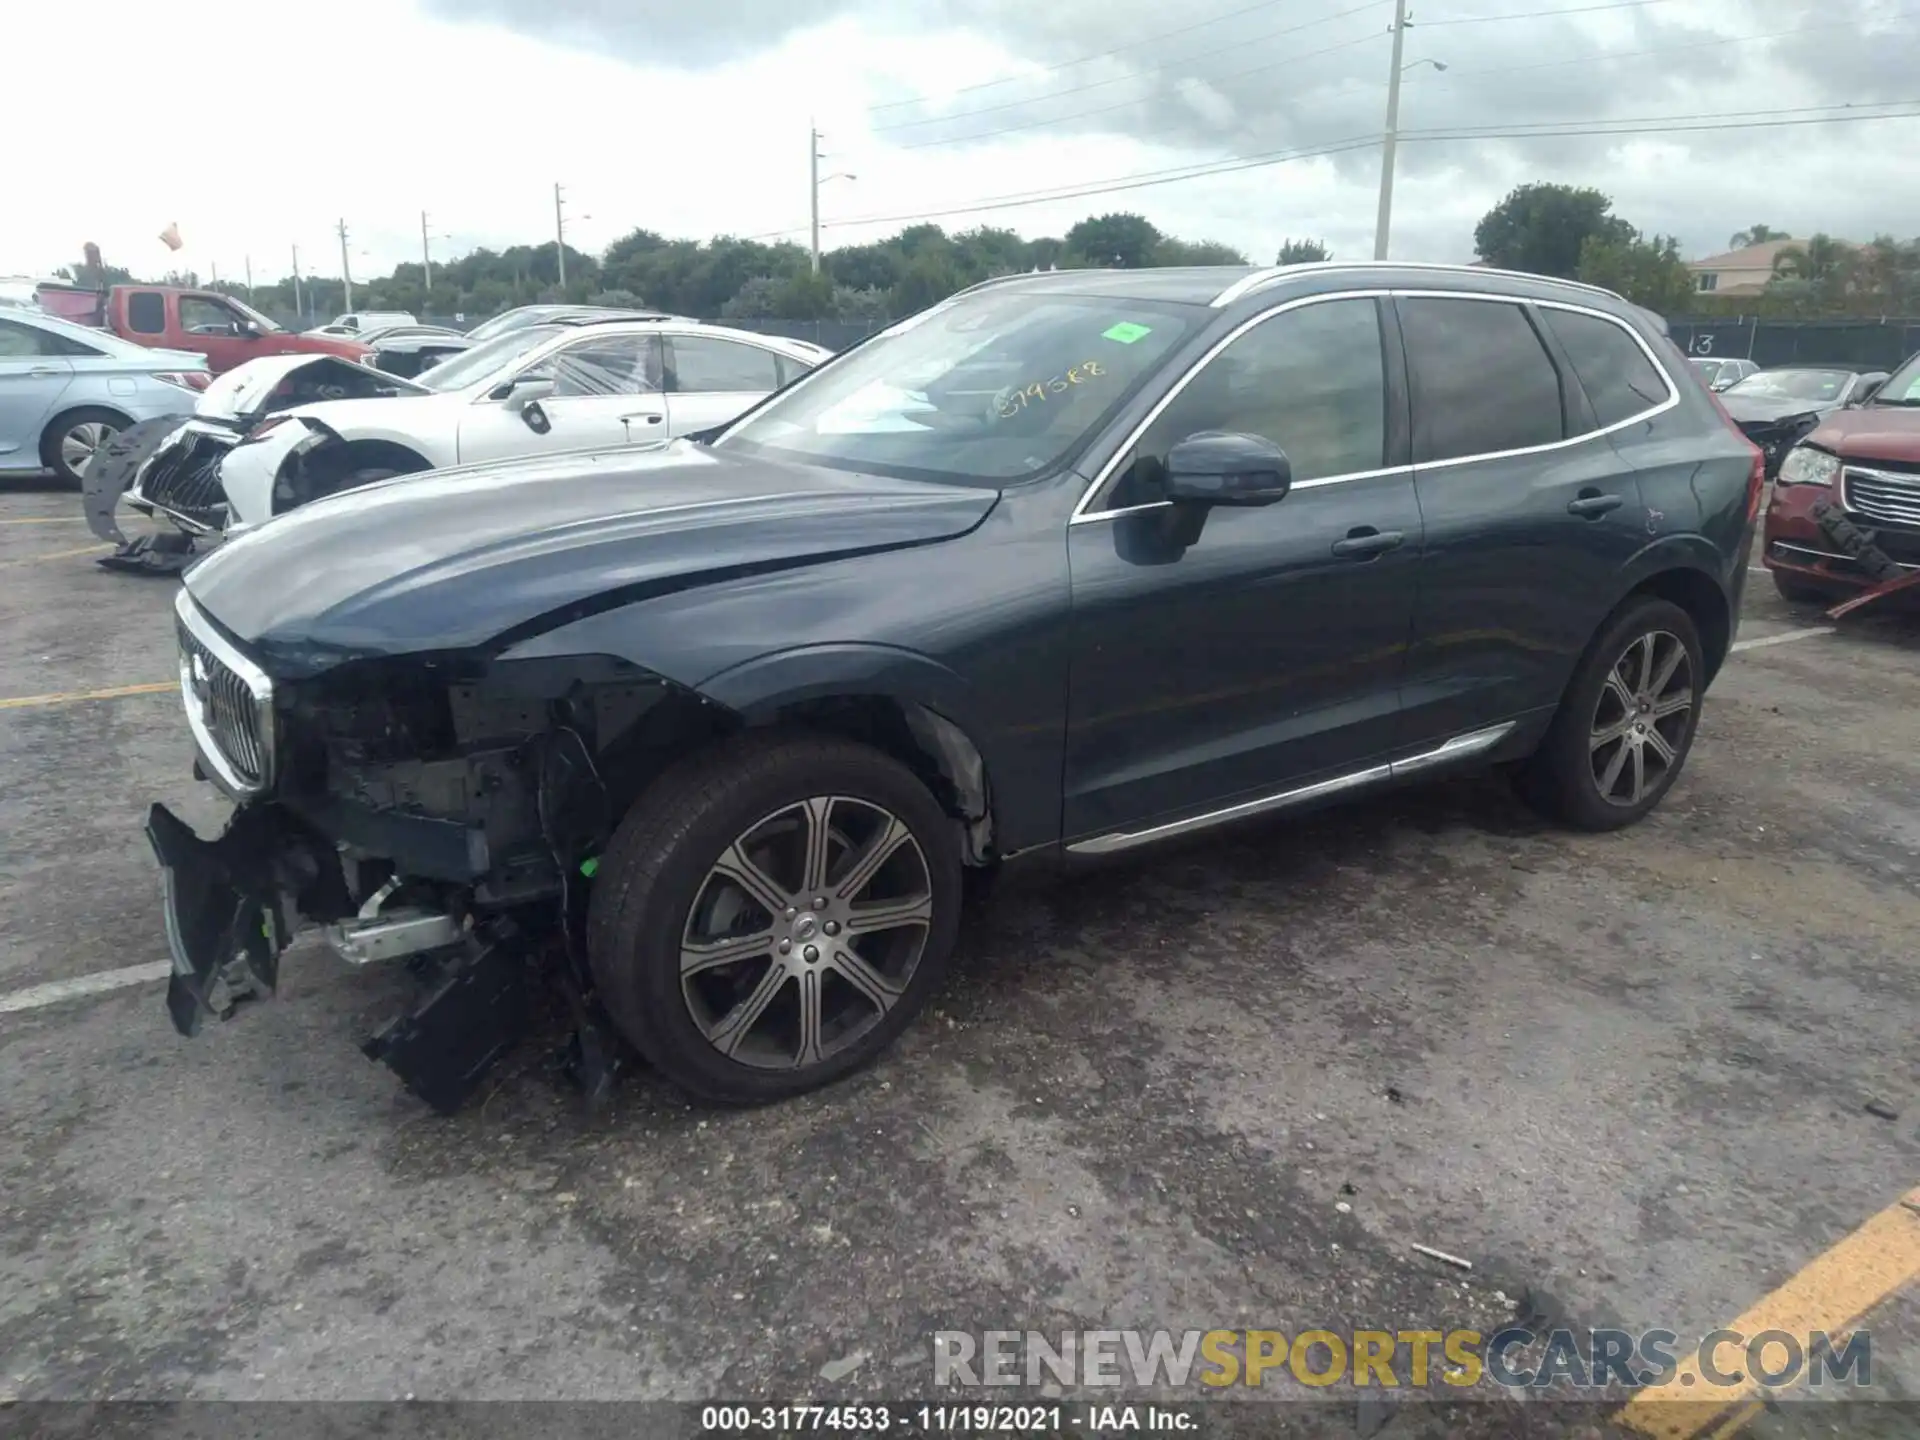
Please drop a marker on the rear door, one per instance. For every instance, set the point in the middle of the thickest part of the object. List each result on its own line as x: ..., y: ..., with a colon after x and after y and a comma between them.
x: 711, y: 379
x: 1531, y: 515
x: 606, y: 393
x: 32, y: 379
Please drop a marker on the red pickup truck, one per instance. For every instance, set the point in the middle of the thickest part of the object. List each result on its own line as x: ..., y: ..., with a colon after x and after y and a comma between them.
x: 205, y: 322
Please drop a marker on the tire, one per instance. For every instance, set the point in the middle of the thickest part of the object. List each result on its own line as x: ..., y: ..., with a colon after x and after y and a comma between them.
x: 97, y: 426
x: 1564, y: 777
x: 1796, y: 591
x: 658, y: 889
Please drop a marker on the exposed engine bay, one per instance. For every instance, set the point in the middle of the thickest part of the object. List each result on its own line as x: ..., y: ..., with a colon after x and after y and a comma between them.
x: 1777, y: 436
x: 169, y: 469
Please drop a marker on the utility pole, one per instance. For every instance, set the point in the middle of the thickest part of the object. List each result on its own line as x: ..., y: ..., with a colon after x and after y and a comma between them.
x: 426, y: 259
x: 813, y: 188
x: 215, y: 266
x: 559, y: 235
x: 299, y: 305
x: 1383, y: 222
x: 346, y: 270
x: 249, y: 277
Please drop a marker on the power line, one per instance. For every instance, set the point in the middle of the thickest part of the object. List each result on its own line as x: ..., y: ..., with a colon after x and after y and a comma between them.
x: 1121, y: 79
x: 1672, y: 124
x: 1537, y: 14
x: 1085, y: 59
x: 1128, y: 104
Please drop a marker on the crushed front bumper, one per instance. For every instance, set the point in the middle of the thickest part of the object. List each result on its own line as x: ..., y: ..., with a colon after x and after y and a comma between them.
x: 235, y: 903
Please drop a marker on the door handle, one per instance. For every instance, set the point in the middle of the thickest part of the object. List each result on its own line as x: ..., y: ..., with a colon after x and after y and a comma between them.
x: 650, y: 419
x: 1363, y: 542
x: 1591, y: 504
x: 40, y: 372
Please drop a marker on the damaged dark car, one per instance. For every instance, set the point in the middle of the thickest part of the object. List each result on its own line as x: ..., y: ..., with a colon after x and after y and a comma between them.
x: 710, y: 737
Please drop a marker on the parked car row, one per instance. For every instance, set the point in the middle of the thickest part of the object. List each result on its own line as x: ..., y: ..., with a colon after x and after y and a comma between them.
x: 579, y: 380
x: 1063, y: 567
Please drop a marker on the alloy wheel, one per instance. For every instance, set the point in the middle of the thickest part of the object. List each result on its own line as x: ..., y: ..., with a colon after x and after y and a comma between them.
x: 1640, y: 720
x: 79, y: 445
x: 806, y: 932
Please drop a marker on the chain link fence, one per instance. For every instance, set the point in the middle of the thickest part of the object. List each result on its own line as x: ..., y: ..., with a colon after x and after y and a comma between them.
x: 1864, y: 344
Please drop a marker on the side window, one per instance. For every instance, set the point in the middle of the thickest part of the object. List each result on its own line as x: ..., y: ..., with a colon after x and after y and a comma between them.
x: 1614, y: 371
x: 1311, y: 380
x: 702, y: 363
x: 609, y: 365
x: 1482, y: 381
x: 17, y: 341
x: 201, y: 316
x: 147, y: 313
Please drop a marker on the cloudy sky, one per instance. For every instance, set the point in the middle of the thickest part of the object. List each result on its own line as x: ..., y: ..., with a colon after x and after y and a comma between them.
x: 256, y: 125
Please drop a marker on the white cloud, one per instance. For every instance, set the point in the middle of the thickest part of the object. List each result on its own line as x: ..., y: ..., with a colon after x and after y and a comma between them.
x: 267, y: 134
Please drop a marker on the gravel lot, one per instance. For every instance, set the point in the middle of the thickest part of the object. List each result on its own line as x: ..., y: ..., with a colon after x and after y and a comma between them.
x: 1626, y: 1075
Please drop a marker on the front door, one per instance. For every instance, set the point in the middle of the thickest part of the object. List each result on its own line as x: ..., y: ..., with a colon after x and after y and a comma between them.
x: 31, y: 383
x: 712, y: 379
x: 1531, y: 512
x: 218, y: 331
x: 606, y: 393
x: 1268, y: 650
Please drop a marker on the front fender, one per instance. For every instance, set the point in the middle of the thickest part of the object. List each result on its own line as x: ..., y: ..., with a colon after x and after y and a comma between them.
x: 755, y: 689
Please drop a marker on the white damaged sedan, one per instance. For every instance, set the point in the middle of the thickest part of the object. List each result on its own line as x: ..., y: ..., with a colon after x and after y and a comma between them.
x: 278, y: 432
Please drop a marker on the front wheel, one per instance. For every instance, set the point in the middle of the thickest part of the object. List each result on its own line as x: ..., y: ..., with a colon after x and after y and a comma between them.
x: 70, y: 443
x: 1626, y: 722
x: 771, y: 914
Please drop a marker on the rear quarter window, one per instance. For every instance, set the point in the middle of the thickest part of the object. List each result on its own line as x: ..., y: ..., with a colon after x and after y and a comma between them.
x: 147, y: 313
x: 1619, y: 379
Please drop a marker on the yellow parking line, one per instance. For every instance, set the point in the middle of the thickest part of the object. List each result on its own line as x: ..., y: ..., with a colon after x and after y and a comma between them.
x: 74, y: 697
x: 55, y: 555
x: 1831, y: 1293
x: 47, y: 520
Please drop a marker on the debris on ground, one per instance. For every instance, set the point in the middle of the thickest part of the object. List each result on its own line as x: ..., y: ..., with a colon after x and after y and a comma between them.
x: 834, y: 1371
x: 1880, y: 1110
x: 1441, y: 1255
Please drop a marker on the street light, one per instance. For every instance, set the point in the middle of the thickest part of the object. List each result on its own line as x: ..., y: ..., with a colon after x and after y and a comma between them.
x: 1383, y: 222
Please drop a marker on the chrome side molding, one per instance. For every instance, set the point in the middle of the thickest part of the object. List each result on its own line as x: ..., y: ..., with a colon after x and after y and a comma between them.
x: 1460, y: 747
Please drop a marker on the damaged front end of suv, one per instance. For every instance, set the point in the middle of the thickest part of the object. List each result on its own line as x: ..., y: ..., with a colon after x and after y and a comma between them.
x: 443, y: 810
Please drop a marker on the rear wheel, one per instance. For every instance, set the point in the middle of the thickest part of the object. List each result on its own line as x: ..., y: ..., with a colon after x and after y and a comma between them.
x: 1626, y: 722
x: 771, y: 914
x: 69, y: 444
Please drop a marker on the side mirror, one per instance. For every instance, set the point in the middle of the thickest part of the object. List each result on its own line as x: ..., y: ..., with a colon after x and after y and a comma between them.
x: 1221, y: 467
x: 536, y: 417
x: 1866, y: 392
x: 247, y: 330
x: 523, y: 389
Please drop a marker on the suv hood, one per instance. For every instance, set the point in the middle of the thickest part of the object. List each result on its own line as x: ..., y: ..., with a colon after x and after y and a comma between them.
x: 455, y: 559
x: 1882, y: 432
x: 1755, y: 409
x: 245, y: 393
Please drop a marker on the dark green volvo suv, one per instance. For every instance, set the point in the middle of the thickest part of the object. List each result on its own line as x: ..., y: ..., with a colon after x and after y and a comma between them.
x: 1069, y: 564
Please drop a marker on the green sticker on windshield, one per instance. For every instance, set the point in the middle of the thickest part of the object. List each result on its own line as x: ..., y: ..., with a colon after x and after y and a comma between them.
x: 1126, y: 332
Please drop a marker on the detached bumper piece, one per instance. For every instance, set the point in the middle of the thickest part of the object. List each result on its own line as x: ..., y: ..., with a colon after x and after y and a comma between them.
x: 474, y: 1006
x: 225, y: 926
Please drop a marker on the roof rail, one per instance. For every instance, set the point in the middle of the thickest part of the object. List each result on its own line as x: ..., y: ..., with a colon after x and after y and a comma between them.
x: 1261, y: 279
x: 1020, y: 275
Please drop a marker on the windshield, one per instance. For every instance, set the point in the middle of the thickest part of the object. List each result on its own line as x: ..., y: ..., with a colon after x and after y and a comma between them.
x: 1902, y: 387
x: 470, y: 366
x: 252, y: 314
x: 511, y: 321
x: 983, y: 389
x: 1793, y: 385
x: 1708, y: 368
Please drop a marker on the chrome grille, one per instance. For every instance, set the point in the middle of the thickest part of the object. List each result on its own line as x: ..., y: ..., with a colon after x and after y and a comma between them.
x: 229, y: 703
x: 1883, y: 496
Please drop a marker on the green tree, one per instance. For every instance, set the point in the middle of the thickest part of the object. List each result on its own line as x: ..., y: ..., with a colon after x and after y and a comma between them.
x: 1195, y: 252
x: 1119, y: 240
x: 1820, y: 259
x: 1755, y: 235
x: 1541, y: 228
x: 1301, y: 252
x: 1647, y: 270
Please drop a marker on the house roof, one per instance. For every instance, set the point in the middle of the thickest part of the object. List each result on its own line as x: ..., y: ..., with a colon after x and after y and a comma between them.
x: 1751, y: 257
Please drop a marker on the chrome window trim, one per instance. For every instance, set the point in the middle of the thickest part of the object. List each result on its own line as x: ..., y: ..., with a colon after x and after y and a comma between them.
x: 259, y: 686
x: 1083, y: 516
x: 1459, y: 747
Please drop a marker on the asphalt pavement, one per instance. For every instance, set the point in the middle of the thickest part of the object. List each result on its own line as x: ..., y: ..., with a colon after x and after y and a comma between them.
x: 1639, y: 1079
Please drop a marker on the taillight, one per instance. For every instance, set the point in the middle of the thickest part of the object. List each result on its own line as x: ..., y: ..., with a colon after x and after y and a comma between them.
x: 1757, y: 475
x: 185, y: 379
